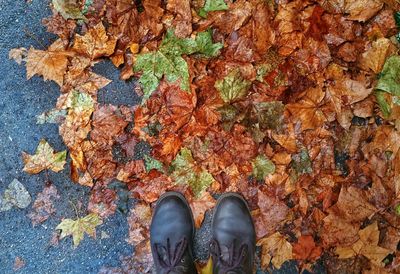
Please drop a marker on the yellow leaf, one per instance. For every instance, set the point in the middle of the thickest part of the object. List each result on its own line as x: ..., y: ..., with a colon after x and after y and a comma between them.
x: 207, y: 269
x: 95, y: 43
x: 44, y: 158
x: 78, y: 228
x: 277, y: 248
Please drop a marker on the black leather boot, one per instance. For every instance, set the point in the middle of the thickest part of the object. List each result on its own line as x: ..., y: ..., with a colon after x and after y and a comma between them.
x: 171, y: 235
x: 234, y: 239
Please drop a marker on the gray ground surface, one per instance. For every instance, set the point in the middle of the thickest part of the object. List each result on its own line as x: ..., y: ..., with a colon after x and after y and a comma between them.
x: 20, y: 102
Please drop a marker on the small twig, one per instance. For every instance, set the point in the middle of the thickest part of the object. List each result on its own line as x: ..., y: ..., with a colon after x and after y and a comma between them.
x: 75, y: 208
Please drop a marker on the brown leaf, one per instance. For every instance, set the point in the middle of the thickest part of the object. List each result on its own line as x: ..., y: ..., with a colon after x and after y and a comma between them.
x: 275, y: 249
x: 367, y: 245
x: 273, y: 212
x: 182, y: 21
x: 305, y: 249
x: 18, y: 263
x: 102, y: 200
x: 200, y: 206
x: 95, y: 43
x: 43, y: 206
x: 362, y: 10
x: 51, y: 63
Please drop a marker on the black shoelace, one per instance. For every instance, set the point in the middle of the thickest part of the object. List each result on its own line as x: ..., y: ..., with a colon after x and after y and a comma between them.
x: 234, y: 263
x: 169, y: 259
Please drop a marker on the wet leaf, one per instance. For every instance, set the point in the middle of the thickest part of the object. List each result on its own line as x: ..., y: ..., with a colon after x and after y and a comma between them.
x: 68, y: 8
x: 43, y: 159
x: 367, y: 245
x: 233, y: 87
x: 212, y: 5
x: 77, y: 228
x: 275, y: 249
x: 186, y: 172
x: 15, y: 195
x: 43, y: 205
x: 262, y: 167
x: 168, y: 61
x: 152, y: 163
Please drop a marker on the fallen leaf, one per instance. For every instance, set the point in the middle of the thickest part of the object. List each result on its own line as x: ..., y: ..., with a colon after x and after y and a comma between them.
x: 232, y: 87
x: 367, y: 245
x: 275, y: 249
x: 15, y: 195
x: 186, y: 172
x: 262, y: 167
x: 95, y: 43
x: 43, y: 205
x: 43, y: 159
x: 200, y: 206
x: 19, y: 263
x: 77, y: 228
x: 306, y: 249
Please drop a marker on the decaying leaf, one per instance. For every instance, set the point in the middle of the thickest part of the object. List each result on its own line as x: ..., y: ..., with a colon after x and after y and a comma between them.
x: 43, y: 159
x: 77, y: 228
x: 15, y: 195
x: 262, y: 167
x: 43, y: 205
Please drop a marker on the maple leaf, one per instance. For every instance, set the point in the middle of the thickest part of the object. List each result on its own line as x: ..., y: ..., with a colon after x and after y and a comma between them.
x: 232, y: 87
x: 77, y: 228
x: 262, y: 167
x: 367, y: 246
x: 43, y: 205
x: 307, y: 110
x: 51, y: 63
x: 305, y: 249
x: 275, y: 249
x: 168, y: 61
x: 186, y: 172
x: 95, y: 43
x: 44, y: 158
x: 212, y: 5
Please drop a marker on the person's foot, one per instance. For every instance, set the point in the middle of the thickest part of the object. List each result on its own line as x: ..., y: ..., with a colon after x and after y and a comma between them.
x: 233, y: 245
x: 171, y: 235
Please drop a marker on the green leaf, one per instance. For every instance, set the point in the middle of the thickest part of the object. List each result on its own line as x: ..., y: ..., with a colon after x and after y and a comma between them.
x: 212, y: 5
x: 186, y: 172
x: 168, y: 61
x: 262, y: 167
x: 78, y: 228
x: 151, y: 163
x: 233, y: 86
x: 397, y: 210
x: 301, y: 162
x: 69, y: 9
x: 383, y: 104
x: 389, y: 80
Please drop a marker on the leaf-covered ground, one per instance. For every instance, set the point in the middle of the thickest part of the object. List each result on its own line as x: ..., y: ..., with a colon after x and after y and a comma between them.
x: 294, y: 104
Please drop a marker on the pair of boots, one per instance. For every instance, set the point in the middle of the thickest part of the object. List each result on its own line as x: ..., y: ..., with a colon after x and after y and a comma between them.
x: 172, y: 231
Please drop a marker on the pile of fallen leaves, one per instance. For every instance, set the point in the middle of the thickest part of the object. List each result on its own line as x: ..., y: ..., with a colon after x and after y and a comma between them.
x: 293, y: 104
